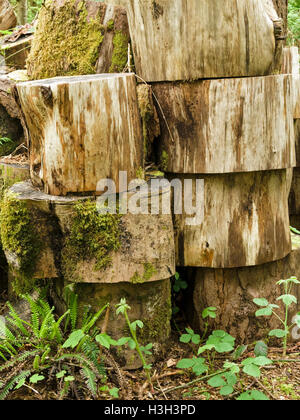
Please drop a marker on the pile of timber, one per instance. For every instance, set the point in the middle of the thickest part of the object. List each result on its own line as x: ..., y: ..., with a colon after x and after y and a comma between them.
x: 226, y: 117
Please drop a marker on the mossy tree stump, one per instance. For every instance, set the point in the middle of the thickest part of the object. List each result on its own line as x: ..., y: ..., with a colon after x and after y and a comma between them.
x: 78, y: 37
x: 82, y: 130
x: 66, y: 237
x: 188, y: 40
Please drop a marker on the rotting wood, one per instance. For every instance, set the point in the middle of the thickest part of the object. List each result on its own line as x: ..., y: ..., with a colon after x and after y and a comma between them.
x: 82, y: 130
x: 227, y: 125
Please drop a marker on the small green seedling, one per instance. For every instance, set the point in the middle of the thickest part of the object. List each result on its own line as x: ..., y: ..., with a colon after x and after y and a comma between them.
x: 268, y: 309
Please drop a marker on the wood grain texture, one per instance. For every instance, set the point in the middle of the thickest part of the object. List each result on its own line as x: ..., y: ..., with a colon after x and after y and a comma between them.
x: 246, y: 221
x: 146, y: 241
x: 290, y: 65
x: 227, y: 125
x: 188, y: 39
x: 8, y: 18
x: 82, y: 129
x: 232, y: 292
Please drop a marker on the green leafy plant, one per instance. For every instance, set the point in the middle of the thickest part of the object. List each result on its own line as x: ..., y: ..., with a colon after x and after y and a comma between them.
x: 268, y: 309
x: 123, y: 308
x: 40, y: 348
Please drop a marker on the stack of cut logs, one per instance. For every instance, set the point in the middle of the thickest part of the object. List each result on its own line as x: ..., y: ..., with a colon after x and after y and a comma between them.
x: 226, y: 116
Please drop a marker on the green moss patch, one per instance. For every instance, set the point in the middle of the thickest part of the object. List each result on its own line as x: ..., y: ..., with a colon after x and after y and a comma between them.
x: 19, y: 237
x: 149, y: 272
x: 120, y: 53
x: 66, y: 42
x: 93, y: 236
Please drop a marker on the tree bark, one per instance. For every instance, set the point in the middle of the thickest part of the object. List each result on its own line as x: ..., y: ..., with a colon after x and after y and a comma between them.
x: 82, y: 130
x: 229, y: 125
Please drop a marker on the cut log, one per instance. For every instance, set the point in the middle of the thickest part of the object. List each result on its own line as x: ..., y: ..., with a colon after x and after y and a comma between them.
x: 133, y: 248
x: 228, y: 125
x: 11, y: 133
x: 15, y: 53
x: 188, y: 39
x: 246, y: 221
x: 232, y: 292
x: 76, y: 37
x: 150, y: 303
x: 10, y: 174
x: 8, y: 18
x: 82, y: 130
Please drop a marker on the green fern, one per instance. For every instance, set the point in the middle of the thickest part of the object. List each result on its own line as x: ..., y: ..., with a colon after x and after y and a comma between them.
x: 12, y: 382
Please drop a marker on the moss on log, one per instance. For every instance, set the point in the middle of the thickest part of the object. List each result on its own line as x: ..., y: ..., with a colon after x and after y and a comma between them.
x: 78, y: 37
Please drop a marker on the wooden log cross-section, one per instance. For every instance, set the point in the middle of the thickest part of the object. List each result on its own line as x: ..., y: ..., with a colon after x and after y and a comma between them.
x: 82, y: 130
x: 246, y: 221
x: 227, y: 125
x: 140, y: 248
x: 192, y: 39
x: 8, y: 18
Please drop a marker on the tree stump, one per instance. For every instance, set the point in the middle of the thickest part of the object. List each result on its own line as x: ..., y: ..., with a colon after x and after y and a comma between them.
x: 82, y: 130
x: 8, y: 18
x: 11, y: 132
x: 15, y: 53
x: 72, y: 240
x: 149, y: 302
x: 232, y: 292
x: 188, y: 40
x: 246, y: 221
x: 228, y: 125
x: 78, y: 37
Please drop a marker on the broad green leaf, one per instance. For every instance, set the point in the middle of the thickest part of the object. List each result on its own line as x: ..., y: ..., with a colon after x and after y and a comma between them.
x: 74, y: 339
x: 262, y: 361
x: 200, y: 367
x: 261, y: 349
x: 104, y: 340
x: 185, y: 338
x: 132, y: 344
x: 122, y: 341
x: 36, y: 378
x: 219, y: 333
x: 234, y: 368
x: 114, y: 392
x: 288, y: 299
x: 252, y: 370
x: 259, y: 396
x: 224, y: 347
x: 230, y: 378
x: 278, y: 333
x: 20, y: 383
x: 205, y: 348
x: 196, y: 339
x: 264, y: 312
x: 69, y: 379
x: 245, y: 396
x: 185, y: 363
x: 61, y: 374
x: 226, y: 390
x: 261, y: 302
x: 216, y: 382
x: 239, y: 352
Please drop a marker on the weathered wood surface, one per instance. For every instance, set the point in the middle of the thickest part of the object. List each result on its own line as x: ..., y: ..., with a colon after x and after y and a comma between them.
x: 16, y: 53
x: 82, y: 129
x: 11, y: 173
x: 227, y: 125
x: 232, y: 292
x: 7, y: 16
x: 290, y: 65
x: 246, y: 221
x: 150, y: 302
x: 146, y: 252
x: 76, y: 37
x: 188, y: 39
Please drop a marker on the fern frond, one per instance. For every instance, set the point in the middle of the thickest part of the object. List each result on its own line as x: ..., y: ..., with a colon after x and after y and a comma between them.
x: 93, y: 321
x: 12, y: 382
x: 81, y: 359
x: 18, y: 359
x: 90, y: 380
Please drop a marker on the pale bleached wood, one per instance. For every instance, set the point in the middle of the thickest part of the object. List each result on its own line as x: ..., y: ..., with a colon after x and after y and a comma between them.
x: 192, y: 39
x: 290, y: 65
x: 232, y: 292
x: 82, y: 129
x: 227, y: 125
x: 146, y: 241
x: 8, y: 18
x: 246, y: 221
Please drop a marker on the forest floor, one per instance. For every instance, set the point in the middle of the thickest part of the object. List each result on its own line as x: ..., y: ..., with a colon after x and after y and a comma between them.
x: 280, y: 381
